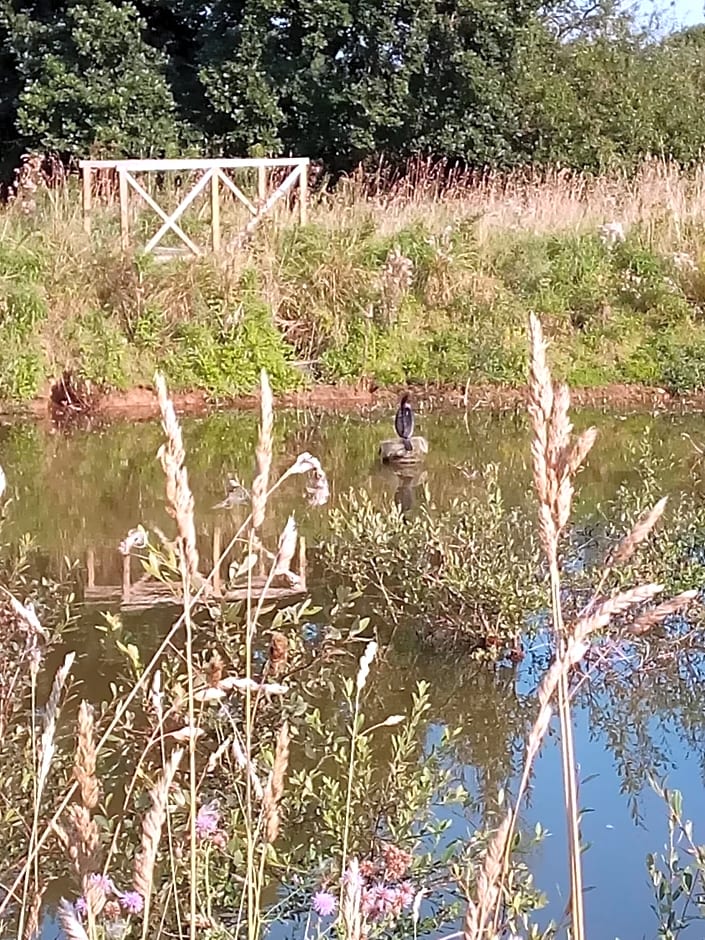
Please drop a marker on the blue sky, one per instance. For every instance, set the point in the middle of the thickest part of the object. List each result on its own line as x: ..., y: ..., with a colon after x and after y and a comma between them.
x: 686, y: 12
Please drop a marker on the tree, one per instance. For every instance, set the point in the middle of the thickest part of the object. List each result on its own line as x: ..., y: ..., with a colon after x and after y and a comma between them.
x: 346, y: 80
x: 88, y: 83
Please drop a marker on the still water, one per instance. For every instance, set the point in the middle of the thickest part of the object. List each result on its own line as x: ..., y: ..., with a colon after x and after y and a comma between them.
x: 78, y: 493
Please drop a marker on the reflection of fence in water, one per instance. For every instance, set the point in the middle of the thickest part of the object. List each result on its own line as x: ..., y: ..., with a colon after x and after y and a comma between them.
x: 132, y: 591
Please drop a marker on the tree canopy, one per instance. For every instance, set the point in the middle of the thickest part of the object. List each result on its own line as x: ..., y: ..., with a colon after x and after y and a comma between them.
x: 485, y: 82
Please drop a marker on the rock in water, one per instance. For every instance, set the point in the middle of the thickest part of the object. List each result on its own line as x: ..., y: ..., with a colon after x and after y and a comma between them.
x: 395, y: 451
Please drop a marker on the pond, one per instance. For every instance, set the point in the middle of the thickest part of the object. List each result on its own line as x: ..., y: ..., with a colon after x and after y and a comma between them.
x: 79, y: 493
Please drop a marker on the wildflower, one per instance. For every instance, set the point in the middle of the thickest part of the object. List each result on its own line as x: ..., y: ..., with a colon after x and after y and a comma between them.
x: 324, y: 903
x: 318, y: 493
x: 380, y: 900
x: 407, y: 893
x: 368, y: 901
x: 388, y: 900
x: 111, y: 910
x: 207, y: 820
x: 104, y: 883
x: 80, y: 907
x: 684, y: 261
x: 136, y: 538
x: 396, y: 862
x: 132, y: 902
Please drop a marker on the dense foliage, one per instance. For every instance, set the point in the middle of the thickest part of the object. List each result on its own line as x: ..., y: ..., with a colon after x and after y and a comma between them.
x: 428, y: 302
x: 485, y: 82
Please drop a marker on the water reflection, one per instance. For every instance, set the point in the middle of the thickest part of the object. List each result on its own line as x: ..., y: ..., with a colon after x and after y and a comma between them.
x: 79, y: 494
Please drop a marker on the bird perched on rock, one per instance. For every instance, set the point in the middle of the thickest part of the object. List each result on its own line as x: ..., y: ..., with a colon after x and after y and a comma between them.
x: 237, y: 495
x: 404, y: 421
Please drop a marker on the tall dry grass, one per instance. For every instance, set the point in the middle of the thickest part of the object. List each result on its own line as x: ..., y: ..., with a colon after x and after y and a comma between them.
x: 536, y: 200
x: 556, y: 459
x: 72, y: 820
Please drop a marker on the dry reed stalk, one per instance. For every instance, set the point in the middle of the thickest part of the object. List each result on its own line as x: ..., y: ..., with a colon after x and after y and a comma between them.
x: 477, y: 918
x: 85, y: 761
x: 70, y: 924
x: 172, y: 455
x: 260, y: 484
x: 351, y: 902
x: 287, y: 547
x: 31, y: 931
x: 84, y: 840
x: 554, y: 463
x: 640, y: 531
x: 83, y: 834
x: 600, y: 614
x: 152, y: 825
x: 51, y: 711
x: 275, y: 786
x: 245, y: 762
x: 555, y: 460
x: 656, y: 615
x: 488, y: 883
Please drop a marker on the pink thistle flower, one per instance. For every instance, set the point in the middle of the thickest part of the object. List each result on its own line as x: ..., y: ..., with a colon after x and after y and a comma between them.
x: 324, y: 903
x: 407, y: 893
x: 207, y: 820
x: 132, y: 902
x: 368, y: 901
x: 106, y: 884
x: 388, y: 900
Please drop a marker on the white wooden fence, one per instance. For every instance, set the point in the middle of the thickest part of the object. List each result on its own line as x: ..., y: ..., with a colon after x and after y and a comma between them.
x: 212, y: 172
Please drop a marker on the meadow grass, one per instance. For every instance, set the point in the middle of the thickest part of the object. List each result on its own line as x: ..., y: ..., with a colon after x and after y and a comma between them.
x: 428, y: 278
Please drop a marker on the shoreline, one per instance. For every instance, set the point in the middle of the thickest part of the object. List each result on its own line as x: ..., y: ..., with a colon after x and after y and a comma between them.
x: 140, y: 403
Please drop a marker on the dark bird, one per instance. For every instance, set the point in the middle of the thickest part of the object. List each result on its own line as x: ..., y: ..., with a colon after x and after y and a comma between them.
x: 404, y: 421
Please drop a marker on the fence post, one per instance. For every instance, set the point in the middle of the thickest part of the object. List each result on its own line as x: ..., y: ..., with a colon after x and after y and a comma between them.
x: 303, y: 194
x: 87, y: 195
x: 215, y: 209
x: 124, y: 220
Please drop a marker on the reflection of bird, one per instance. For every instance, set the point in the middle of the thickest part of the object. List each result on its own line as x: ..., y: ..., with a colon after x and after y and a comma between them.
x: 237, y: 496
x: 404, y: 421
x: 404, y: 495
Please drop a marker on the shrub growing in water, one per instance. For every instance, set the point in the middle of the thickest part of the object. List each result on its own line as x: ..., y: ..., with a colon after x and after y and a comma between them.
x: 466, y: 575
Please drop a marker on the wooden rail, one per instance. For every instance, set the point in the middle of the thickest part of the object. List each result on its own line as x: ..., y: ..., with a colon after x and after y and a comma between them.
x: 213, y: 173
x: 146, y: 592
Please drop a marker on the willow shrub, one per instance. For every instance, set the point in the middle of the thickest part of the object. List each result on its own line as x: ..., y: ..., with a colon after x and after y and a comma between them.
x: 467, y: 575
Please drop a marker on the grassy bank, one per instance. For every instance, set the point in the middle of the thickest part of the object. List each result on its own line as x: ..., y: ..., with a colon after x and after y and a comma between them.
x: 417, y: 285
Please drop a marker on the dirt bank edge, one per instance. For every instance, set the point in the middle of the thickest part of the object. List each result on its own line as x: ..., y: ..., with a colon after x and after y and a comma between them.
x: 139, y: 403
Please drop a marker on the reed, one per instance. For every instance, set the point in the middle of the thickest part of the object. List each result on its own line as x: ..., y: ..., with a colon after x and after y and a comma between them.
x: 181, y: 501
x: 556, y: 459
x: 152, y: 825
x: 275, y: 786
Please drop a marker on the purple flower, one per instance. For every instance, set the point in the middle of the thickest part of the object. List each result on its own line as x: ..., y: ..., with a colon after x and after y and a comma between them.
x: 132, y: 902
x: 103, y: 882
x: 324, y: 903
x: 207, y: 820
x: 380, y: 900
x: 81, y: 907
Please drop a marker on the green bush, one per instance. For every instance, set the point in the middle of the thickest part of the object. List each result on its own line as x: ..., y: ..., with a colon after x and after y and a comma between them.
x: 441, y: 571
x: 227, y: 359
